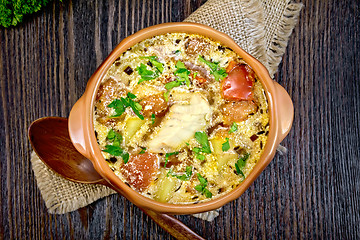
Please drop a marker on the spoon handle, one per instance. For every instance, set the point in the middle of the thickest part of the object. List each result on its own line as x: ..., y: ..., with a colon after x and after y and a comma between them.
x: 172, y: 225
x: 167, y: 222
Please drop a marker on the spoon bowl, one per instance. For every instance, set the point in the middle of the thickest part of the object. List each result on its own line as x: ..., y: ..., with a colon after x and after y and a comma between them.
x: 51, y: 141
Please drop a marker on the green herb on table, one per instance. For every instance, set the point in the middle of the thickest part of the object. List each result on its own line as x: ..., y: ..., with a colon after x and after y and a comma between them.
x: 184, y: 177
x: 202, y: 186
x: 12, y: 12
x: 233, y: 128
x: 240, y: 164
x: 119, y: 105
x: 167, y: 155
x: 226, y: 145
x: 218, y: 72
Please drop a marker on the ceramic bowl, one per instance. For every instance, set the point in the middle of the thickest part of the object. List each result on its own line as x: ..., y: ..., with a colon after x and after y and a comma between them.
x: 83, y: 136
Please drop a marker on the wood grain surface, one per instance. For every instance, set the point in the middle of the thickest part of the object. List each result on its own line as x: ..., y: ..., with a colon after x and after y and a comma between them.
x: 311, y: 192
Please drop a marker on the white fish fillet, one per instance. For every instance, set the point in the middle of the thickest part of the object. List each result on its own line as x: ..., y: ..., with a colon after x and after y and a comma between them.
x: 180, y: 125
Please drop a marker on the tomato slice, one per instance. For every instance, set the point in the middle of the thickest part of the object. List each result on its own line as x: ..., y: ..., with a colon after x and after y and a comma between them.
x: 140, y: 170
x: 238, y: 84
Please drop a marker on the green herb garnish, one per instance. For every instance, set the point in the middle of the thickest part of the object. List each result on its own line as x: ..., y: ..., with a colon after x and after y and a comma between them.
x: 198, y: 154
x: 202, y: 138
x: 167, y: 155
x: 240, y: 164
x: 146, y: 74
x: 155, y: 62
x: 166, y: 95
x: 218, y: 72
x: 119, y: 105
x: 226, y: 145
x: 233, y: 128
x: 114, y: 137
x: 182, y: 77
x: 202, y: 186
x: 172, y: 84
x: 185, y: 177
x: 115, y: 148
x: 152, y: 119
x: 177, y: 51
x: 143, y: 149
x: 182, y: 73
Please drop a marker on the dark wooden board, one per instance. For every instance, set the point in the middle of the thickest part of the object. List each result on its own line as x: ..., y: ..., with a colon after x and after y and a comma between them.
x: 312, y: 192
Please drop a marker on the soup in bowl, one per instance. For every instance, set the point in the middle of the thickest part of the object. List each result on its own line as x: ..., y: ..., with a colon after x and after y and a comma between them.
x: 179, y: 119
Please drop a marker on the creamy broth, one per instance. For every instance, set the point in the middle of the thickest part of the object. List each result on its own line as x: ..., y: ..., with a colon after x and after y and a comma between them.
x: 181, y: 118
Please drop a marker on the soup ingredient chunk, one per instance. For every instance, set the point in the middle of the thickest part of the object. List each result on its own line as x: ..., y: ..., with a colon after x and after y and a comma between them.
x: 141, y: 170
x: 237, y: 111
x: 180, y: 125
x: 238, y: 84
x: 154, y: 104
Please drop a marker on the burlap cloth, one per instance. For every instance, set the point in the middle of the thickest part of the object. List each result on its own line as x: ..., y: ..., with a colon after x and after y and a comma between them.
x: 260, y: 27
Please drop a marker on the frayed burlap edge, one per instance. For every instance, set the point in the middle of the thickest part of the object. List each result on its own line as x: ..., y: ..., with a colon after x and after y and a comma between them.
x: 66, y: 196
x: 278, y: 39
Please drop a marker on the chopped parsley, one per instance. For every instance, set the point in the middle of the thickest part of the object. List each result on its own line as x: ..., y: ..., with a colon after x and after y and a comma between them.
x: 115, y: 149
x: 198, y: 154
x: 146, y: 74
x: 166, y: 95
x: 202, y: 186
x: 218, y: 72
x: 114, y: 137
x: 167, y: 155
x: 233, y: 128
x: 182, y: 77
x: 177, y: 51
x: 172, y: 84
x: 185, y: 177
x: 143, y: 149
x: 240, y: 164
x: 202, y: 138
x: 155, y: 62
x: 226, y: 145
x: 119, y: 105
x: 152, y: 119
x: 182, y: 73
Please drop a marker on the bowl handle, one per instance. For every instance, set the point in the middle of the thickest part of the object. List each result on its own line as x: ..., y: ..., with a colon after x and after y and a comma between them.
x: 285, y: 111
x: 76, y: 127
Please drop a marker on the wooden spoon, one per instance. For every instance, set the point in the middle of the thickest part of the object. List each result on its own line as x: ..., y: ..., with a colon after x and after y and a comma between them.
x: 50, y: 139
